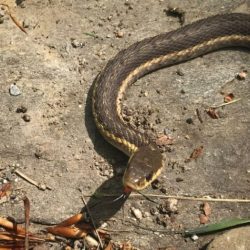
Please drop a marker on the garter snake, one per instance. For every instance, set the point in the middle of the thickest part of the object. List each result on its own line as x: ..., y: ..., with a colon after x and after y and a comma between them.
x: 193, y: 40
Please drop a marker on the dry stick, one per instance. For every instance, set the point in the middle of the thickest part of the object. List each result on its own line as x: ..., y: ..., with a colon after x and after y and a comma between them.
x: 13, y: 18
x: 226, y: 103
x: 12, y: 226
x: 92, y: 221
x: 183, y: 198
x: 27, y: 219
x: 199, y: 115
x: 197, y: 198
x: 35, y: 183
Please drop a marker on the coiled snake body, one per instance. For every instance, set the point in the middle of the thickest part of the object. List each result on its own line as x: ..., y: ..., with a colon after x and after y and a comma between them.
x: 150, y: 54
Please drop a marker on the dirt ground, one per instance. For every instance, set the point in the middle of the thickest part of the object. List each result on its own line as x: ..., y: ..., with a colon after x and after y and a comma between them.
x: 55, y: 140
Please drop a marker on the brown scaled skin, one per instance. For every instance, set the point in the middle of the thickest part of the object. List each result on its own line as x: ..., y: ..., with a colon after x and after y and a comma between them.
x: 144, y: 166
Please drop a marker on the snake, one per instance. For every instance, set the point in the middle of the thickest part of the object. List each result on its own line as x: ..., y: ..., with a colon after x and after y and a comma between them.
x: 190, y: 41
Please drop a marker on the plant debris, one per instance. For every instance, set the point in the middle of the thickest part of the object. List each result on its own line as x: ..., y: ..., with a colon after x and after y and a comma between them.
x: 197, y: 152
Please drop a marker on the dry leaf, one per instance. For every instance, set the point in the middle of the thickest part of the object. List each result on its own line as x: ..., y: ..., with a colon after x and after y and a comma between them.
x: 203, y: 219
x: 229, y: 98
x: 207, y: 209
x: 72, y: 220
x: 212, y: 113
x: 68, y: 232
x: 5, y: 189
x: 195, y: 154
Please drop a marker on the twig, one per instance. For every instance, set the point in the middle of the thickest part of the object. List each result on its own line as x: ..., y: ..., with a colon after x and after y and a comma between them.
x: 226, y: 103
x: 92, y: 221
x: 13, y: 18
x: 147, y: 197
x: 27, y: 219
x: 199, y: 198
x: 91, y: 34
x: 35, y: 183
x: 182, y: 198
x: 199, y: 115
x: 11, y: 226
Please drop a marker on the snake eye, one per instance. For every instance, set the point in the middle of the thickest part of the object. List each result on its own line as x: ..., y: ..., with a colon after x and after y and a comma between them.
x: 149, y: 176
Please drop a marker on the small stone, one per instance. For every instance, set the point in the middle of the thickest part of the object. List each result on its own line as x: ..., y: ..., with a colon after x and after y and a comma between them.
x: 14, y: 90
x: 153, y: 211
x: 179, y: 179
x: 163, y: 190
x: 171, y: 205
x: 242, y: 75
x: 180, y: 72
x: 2, y: 13
x: 137, y: 213
x: 26, y: 23
x: 38, y: 154
x: 155, y: 184
x: 76, y: 44
x: 21, y: 109
x: 194, y: 237
x: 189, y: 121
x: 18, y: 2
x: 26, y: 118
x: 91, y: 242
x: 146, y: 214
x: 119, y: 34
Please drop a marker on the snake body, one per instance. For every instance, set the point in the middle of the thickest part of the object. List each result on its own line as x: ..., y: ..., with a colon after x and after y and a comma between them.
x: 190, y: 41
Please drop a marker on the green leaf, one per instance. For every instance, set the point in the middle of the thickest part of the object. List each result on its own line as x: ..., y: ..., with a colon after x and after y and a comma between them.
x: 223, y: 224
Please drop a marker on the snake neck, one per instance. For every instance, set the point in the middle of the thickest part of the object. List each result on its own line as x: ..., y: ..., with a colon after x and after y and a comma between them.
x: 188, y: 42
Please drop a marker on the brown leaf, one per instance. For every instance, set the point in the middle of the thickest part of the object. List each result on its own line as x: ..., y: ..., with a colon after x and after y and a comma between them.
x: 11, y: 226
x: 207, y: 209
x: 72, y: 220
x: 195, y: 154
x: 229, y: 97
x: 68, y: 232
x: 109, y: 246
x: 212, y: 113
x: 203, y: 219
x: 5, y: 189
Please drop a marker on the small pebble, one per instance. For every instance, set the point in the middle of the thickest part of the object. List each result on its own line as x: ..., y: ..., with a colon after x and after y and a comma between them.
x: 194, y: 237
x: 91, y: 242
x: 2, y: 13
x: 242, y: 75
x: 189, y: 121
x: 21, y: 109
x: 26, y: 24
x: 26, y: 118
x: 137, y: 213
x: 14, y: 90
x: 153, y: 211
x: 172, y: 205
x: 155, y: 184
x: 119, y: 34
x: 179, y: 179
x: 180, y: 72
x: 76, y: 44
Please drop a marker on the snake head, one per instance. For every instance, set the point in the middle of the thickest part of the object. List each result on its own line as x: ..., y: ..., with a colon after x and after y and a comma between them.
x: 144, y: 167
